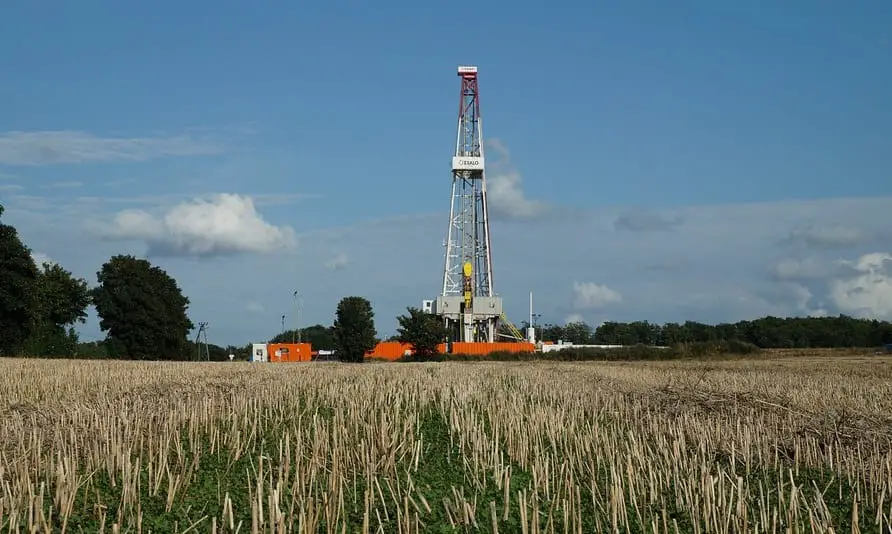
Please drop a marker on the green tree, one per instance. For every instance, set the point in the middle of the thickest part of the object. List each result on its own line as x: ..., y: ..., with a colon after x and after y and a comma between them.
x: 320, y: 336
x: 550, y: 332
x: 60, y: 301
x: 18, y: 280
x: 578, y: 333
x: 143, y: 311
x: 423, y: 331
x: 354, y: 329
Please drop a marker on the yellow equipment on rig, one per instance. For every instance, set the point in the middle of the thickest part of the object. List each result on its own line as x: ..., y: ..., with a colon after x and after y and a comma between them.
x: 468, y: 283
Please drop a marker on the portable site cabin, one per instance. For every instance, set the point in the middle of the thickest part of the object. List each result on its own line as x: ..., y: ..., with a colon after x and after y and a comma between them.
x: 259, y: 352
x: 281, y: 352
x: 290, y: 352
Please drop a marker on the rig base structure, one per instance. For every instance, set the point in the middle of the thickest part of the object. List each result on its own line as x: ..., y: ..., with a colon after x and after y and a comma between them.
x: 467, y: 303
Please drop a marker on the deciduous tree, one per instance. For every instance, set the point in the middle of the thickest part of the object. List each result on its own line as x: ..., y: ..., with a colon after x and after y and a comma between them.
x: 60, y: 301
x: 143, y: 311
x: 18, y: 279
x: 320, y: 336
x: 578, y: 333
x: 423, y: 331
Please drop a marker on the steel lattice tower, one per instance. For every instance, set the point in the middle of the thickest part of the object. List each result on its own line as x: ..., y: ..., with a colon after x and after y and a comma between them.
x: 467, y: 301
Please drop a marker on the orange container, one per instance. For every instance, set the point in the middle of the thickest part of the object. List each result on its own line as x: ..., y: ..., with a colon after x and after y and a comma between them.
x: 290, y: 352
x: 481, y: 349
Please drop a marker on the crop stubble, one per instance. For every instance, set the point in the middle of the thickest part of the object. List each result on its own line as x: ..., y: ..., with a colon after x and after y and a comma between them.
x: 767, y: 446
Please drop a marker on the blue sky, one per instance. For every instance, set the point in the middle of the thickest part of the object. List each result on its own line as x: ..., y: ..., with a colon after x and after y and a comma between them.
x: 630, y: 136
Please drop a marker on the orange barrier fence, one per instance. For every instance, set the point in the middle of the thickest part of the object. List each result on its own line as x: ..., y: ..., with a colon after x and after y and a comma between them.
x: 394, y: 350
x: 481, y: 349
x: 389, y: 350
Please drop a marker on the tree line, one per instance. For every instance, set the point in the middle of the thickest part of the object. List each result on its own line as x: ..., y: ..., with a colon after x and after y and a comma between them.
x: 767, y: 333
x: 144, y: 316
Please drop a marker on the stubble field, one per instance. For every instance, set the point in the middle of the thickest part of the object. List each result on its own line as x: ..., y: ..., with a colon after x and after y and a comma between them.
x: 783, y: 445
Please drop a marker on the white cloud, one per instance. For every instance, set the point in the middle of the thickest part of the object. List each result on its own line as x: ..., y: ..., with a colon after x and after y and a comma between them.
x: 55, y: 147
x: 574, y: 318
x: 591, y: 295
x: 225, y: 224
x: 90, y: 205
x: 867, y: 292
x: 41, y: 258
x: 504, y: 186
x: 8, y: 188
x: 803, y: 297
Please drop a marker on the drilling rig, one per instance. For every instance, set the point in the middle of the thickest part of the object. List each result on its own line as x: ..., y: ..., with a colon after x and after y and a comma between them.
x: 467, y: 302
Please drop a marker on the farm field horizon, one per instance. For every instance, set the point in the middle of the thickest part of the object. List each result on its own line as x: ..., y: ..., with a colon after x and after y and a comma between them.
x: 785, y: 441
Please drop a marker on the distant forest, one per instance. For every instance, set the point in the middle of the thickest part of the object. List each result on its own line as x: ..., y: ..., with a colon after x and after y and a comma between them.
x: 767, y: 333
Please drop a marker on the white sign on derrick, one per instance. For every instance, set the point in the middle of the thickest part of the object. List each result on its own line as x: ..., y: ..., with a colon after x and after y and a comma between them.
x: 467, y: 163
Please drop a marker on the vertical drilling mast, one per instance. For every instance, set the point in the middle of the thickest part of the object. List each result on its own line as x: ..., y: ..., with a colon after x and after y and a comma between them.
x: 467, y: 302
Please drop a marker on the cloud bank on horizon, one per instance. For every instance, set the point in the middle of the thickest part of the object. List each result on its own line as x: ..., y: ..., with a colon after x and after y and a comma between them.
x: 240, y: 261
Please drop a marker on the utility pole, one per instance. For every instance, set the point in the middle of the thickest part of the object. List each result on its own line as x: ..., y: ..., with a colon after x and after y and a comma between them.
x: 298, y: 304
x: 207, y: 351
x: 283, y: 325
x: 202, y: 329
